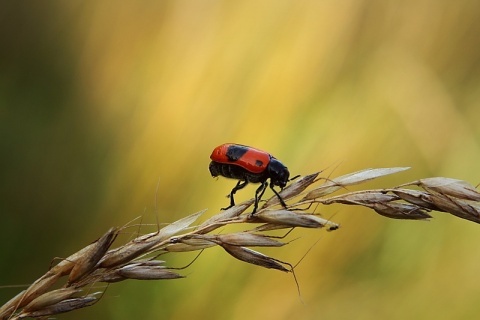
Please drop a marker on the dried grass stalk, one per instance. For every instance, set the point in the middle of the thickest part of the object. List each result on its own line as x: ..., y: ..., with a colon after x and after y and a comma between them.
x: 137, y: 259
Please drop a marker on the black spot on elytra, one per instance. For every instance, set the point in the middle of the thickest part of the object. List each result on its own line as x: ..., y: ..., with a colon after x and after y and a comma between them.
x: 235, y: 152
x: 258, y: 163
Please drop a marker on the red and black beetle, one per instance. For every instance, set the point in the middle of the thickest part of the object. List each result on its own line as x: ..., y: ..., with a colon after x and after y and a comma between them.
x: 247, y: 164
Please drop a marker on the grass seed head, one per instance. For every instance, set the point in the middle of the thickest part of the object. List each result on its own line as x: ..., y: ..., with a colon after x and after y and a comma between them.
x: 146, y: 272
x: 253, y: 257
x: 61, y: 307
x: 404, y: 211
x: 137, y: 259
x: 292, y: 219
x: 247, y: 239
x: 451, y: 187
x: 50, y: 298
x: 86, y: 263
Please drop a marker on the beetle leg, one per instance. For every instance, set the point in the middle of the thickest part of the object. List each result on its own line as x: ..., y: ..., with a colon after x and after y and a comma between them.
x: 278, y: 195
x: 260, y: 191
x: 240, y: 185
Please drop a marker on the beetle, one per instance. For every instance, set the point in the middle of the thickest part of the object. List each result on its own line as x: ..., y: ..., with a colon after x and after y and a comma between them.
x: 248, y: 165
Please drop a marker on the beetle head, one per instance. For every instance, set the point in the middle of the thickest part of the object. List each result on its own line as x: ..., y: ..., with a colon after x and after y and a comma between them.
x: 278, y: 173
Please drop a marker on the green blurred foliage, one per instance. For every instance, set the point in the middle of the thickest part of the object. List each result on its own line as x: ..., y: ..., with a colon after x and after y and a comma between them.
x: 100, y: 101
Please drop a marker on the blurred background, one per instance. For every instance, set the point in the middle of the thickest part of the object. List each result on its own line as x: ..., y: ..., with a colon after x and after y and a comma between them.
x: 99, y: 102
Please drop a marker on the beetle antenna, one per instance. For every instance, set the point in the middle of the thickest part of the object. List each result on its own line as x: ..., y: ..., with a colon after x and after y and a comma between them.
x: 294, y: 177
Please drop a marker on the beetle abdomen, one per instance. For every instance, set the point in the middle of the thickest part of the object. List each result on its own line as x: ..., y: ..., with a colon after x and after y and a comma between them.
x: 233, y: 171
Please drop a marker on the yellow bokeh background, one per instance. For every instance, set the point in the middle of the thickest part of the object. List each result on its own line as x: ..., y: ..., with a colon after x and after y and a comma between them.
x: 101, y: 101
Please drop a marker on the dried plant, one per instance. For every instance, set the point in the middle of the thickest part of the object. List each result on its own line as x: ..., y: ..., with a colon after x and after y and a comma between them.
x: 138, y: 259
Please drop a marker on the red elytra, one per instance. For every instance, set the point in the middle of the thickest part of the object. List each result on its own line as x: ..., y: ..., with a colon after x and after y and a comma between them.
x: 251, y: 159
